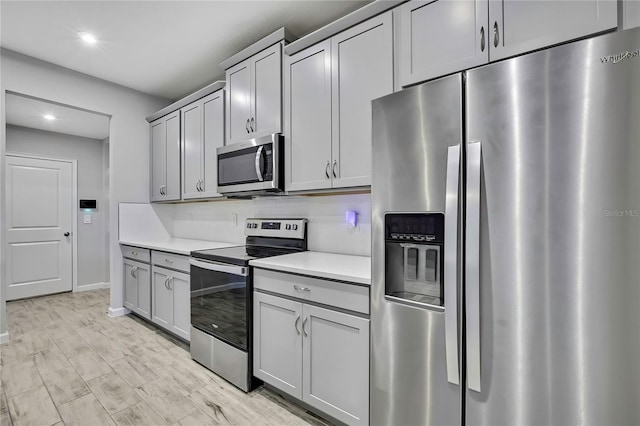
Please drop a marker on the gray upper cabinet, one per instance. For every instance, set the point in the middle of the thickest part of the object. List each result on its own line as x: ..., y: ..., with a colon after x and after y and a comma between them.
x: 308, y: 118
x: 362, y: 64
x: 441, y: 37
x: 254, y: 96
x: 165, y: 158
x: 202, y: 134
x: 328, y: 92
x: 435, y: 38
x: 518, y: 26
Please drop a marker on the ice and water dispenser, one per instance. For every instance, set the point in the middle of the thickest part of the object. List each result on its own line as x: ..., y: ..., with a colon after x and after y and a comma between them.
x: 414, y: 257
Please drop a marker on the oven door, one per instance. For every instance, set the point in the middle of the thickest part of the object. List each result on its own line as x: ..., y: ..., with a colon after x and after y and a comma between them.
x: 219, y: 301
x: 250, y: 166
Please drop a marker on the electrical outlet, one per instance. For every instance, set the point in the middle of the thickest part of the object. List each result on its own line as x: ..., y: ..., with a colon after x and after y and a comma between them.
x: 87, y: 218
x: 234, y: 219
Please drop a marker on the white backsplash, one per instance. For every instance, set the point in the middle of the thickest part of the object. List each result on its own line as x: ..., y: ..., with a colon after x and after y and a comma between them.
x: 327, y: 231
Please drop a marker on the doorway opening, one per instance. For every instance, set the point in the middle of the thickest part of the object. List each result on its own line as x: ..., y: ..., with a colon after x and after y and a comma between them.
x: 43, y: 203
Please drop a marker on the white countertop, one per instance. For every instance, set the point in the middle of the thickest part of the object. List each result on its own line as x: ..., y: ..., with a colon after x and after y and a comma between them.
x: 343, y: 267
x: 178, y: 245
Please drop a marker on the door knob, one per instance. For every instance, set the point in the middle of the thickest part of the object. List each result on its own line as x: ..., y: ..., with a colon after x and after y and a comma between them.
x: 66, y: 234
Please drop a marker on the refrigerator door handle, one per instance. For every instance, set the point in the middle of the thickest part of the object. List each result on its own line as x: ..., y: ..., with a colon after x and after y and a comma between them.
x: 451, y: 264
x: 472, y: 265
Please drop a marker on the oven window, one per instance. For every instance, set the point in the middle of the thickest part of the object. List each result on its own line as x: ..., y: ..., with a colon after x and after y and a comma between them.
x: 219, y: 305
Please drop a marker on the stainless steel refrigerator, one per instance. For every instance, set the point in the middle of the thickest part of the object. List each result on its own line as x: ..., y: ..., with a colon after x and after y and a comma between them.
x: 506, y: 242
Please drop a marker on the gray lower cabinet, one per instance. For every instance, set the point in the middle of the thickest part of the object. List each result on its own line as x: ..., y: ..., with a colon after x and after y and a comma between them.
x: 171, y: 308
x: 137, y: 287
x: 164, y: 135
x: 317, y: 355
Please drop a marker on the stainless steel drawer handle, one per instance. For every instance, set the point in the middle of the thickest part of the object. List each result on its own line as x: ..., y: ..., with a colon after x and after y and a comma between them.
x: 295, y: 325
x: 303, y: 324
x: 134, y: 253
x: 298, y: 288
x: 168, y: 261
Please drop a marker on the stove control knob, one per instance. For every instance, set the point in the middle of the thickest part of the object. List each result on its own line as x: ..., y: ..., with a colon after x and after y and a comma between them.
x: 255, y: 225
x: 287, y: 227
x: 295, y: 227
x: 248, y: 225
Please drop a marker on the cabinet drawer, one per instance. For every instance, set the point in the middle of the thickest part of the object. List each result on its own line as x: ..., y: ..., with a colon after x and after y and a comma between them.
x: 135, y: 253
x: 171, y: 261
x: 341, y: 295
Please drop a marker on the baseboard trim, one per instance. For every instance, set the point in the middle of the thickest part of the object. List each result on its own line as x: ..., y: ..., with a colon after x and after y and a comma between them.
x: 118, y: 312
x: 89, y: 287
x: 4, y: 338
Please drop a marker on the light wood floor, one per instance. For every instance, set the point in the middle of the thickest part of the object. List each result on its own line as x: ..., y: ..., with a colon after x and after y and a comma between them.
x: 69, y: 363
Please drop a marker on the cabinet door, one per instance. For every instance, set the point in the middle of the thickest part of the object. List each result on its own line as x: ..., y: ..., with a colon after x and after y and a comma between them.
x: 277, y: 342
x: 238, y: 102
x: 158, y: 145
x: 441, y: 37
x: 181, y: 288
x: 191, y: 116
x: 143, y: 282
x: 519, y: 26
x: 266, y: 93
x: 213, y: 138
x: 162, y: 312
x: 308, y: 118
x: 130, y: 286
x: 173, y: 157
x: 336, y: 364
x: 362, y: 62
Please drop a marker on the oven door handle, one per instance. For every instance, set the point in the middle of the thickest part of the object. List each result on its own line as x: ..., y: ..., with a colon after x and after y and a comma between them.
x: 219, y: 267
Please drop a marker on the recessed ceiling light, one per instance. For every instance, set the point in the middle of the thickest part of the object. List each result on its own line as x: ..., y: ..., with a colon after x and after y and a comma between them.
x: 49, y: 117
x: 87, y: 37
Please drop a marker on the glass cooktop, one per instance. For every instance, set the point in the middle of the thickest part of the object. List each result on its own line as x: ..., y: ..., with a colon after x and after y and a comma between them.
x: 240, y: 255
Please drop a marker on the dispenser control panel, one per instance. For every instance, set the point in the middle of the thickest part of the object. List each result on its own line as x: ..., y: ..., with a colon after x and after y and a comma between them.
x: 415, y: 227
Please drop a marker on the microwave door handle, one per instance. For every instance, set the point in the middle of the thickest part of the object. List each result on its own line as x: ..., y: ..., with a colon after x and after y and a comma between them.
x: 258, y: 163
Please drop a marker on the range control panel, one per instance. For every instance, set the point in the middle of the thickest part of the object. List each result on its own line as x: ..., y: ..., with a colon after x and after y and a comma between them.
x: 277, y: 228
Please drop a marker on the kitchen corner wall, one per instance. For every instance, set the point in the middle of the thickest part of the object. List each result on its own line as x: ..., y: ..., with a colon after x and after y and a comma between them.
x: 327, y: 230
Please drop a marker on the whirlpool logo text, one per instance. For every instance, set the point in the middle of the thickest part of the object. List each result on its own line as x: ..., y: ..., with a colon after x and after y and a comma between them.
x: 619, y: 57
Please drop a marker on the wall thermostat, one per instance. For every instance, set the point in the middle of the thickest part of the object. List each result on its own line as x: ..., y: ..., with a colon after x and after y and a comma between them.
x: 88, y: 204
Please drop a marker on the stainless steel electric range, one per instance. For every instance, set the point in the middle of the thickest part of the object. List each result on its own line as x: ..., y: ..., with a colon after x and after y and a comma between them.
x: 222, y: 297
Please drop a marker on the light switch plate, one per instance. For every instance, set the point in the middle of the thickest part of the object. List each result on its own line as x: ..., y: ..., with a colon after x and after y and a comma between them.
x: 87, y: 218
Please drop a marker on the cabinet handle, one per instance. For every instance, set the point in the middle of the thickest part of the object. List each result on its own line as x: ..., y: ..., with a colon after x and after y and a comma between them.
x: 482, y: 39
x: 298, y: 288
x: 496, y: 34
x: 169, y: 261
x: 252, y: 123
x: 134, y: 253
x: 295, y: 325
x: 171, y: 283
x: 201, y: 185
x: 133, y: 272
x: 326, y: 170
x: 303, y: 330
x: 246, y: 126
x: 166, y: 283
x: 333, y: 169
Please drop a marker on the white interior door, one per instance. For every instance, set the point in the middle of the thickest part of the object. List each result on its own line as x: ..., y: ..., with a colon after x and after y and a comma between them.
x: 39, y: 211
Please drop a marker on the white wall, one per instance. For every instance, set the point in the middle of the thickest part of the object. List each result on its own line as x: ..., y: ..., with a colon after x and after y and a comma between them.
x: 128, y: 136
x: 92, y: 252
x: 327, y: 230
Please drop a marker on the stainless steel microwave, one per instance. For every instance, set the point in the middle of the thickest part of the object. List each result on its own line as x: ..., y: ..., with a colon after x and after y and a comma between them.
x: 252, y: 167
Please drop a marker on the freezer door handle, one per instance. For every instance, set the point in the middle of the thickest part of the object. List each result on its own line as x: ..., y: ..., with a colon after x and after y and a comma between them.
x: 472, y: 265
x: 450, y: 264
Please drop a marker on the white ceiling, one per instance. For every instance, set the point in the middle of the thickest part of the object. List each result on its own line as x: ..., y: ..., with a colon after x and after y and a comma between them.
x: 28, y: 112
x: 164, y: 48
